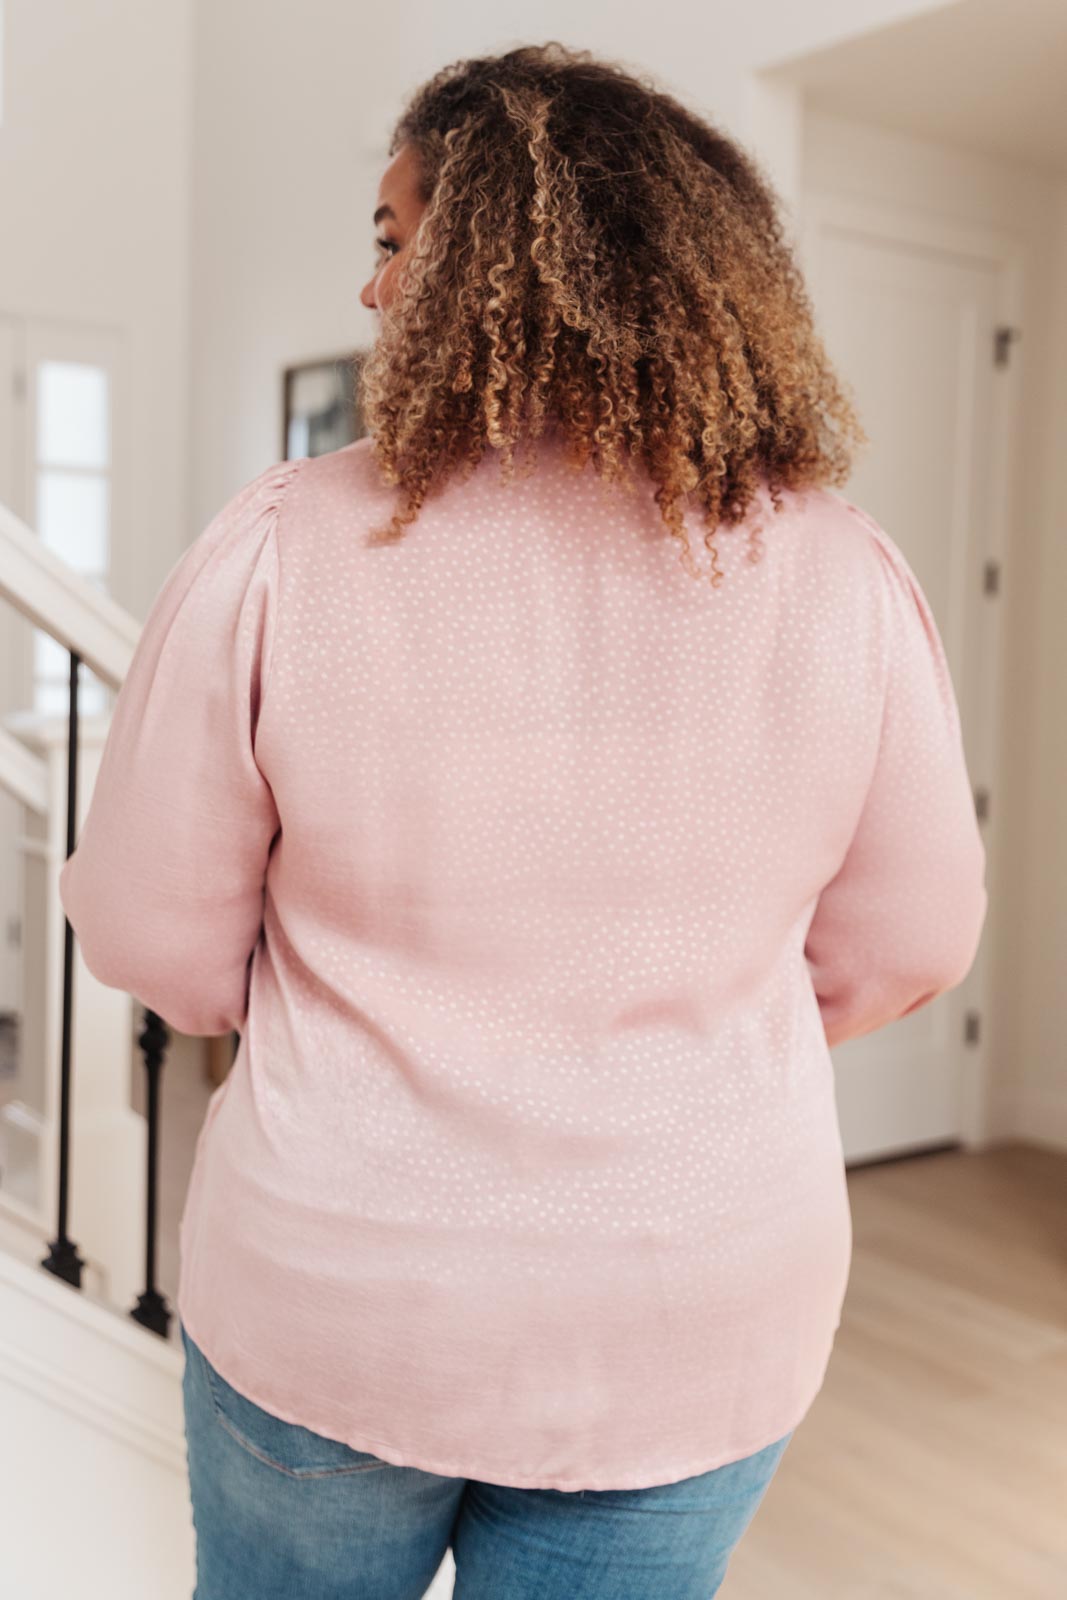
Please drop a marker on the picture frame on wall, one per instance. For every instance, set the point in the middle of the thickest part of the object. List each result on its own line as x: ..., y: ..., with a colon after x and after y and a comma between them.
x: 320, y: 405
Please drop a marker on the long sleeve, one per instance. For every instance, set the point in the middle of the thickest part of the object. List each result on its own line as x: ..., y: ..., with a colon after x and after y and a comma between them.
x: 164, y: 889
x: 900, y: 922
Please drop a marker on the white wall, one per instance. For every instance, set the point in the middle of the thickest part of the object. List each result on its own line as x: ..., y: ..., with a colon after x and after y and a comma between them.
x: 293, y: 108
x: 1028, y: 919
x: 201, y: 173
x: 94, y: 197
x: 1033, y: 1052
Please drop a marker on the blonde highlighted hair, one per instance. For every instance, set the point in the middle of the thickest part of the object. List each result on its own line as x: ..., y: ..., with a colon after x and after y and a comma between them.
x: 595, y: 260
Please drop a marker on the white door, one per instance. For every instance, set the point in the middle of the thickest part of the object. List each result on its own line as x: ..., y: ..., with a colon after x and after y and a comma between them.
x: 909, y: 314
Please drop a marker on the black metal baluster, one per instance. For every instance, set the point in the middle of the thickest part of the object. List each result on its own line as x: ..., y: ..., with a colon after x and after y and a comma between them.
x: 151, y: 1309
x: 63, y: 1259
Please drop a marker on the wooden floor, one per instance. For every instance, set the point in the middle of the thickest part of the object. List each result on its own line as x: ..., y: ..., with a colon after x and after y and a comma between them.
x: 933, y: 1464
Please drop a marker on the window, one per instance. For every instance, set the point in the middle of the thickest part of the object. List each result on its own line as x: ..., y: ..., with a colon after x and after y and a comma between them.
x: 72, y: 513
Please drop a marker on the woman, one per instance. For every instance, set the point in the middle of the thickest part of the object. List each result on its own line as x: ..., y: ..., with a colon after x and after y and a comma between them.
x: 539, y: 833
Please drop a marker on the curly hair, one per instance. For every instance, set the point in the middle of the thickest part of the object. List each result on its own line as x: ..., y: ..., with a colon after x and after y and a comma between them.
x: 595, y: 260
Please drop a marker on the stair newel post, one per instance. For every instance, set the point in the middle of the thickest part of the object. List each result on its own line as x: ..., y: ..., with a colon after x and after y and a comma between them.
x: 151, y: 1309
x: 63, y: 1259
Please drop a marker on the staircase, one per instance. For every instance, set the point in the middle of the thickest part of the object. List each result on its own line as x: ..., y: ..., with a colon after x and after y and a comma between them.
x: 93, y: 1486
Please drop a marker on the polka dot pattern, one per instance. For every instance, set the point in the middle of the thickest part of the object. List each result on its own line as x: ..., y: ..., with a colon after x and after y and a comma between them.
x: 568, y: 867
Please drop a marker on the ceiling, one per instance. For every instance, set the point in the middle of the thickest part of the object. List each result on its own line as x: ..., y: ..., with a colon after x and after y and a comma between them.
x: 987, y: 75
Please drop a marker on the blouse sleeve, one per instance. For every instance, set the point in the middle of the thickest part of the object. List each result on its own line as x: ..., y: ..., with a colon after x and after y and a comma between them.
x: 901, y: 921
x: 164, y: 889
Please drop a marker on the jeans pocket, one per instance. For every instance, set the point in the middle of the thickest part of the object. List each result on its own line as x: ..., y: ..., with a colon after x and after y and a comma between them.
x: 287, y: 1447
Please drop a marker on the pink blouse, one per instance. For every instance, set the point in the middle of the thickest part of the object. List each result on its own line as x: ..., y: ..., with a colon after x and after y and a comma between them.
x: 538, y: 878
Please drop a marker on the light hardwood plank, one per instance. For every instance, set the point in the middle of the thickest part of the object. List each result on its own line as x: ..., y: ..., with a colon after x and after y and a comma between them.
x: 933, y: 1464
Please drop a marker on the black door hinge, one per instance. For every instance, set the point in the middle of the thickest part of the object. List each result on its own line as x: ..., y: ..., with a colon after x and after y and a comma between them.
x: 1002, y: 342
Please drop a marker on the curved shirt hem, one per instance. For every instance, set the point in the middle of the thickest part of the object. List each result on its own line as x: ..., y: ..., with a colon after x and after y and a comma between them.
x: 396, y: 1457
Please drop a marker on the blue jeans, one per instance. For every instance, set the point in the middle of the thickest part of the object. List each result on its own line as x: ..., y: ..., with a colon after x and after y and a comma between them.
x: 281, y: 1513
